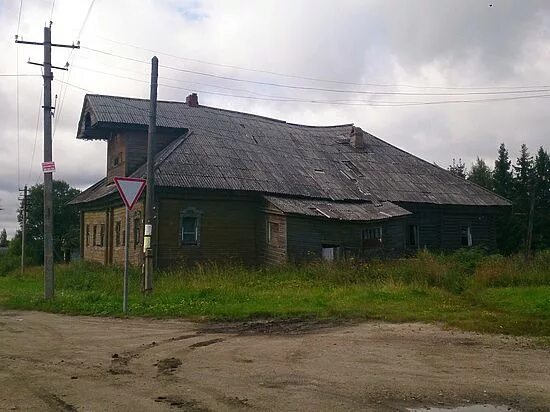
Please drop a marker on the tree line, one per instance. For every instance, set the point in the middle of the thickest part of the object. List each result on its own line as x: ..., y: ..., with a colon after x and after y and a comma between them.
x: 526, y: 183
x: 66, y: 224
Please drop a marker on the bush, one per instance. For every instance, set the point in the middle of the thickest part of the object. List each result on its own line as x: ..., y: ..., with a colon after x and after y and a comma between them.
x: 8, y: 263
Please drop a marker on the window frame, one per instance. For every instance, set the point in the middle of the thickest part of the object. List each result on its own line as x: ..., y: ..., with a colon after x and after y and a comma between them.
x: 372, y: 242
x: 272, y: 228
x: 94, y: 235
x: 190, y: 213
x: 87, y: 234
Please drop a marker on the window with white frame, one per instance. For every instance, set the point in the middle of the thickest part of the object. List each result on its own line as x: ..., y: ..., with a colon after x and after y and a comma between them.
x: 190, y: 220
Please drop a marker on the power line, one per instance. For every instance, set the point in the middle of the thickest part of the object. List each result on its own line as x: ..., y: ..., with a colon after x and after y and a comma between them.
x: 169, y: 78
x: 53, y: 7
x: 294, y: 76
x: 19, y: 18
x: 337, y: 103
x: 18, y: 75
x: 35, y: 134
x: 70, y: 60
x: 322, y: 89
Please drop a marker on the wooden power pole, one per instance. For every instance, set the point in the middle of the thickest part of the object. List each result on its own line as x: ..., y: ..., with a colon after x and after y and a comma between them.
x: 150, y: 189
x: 48, y: 166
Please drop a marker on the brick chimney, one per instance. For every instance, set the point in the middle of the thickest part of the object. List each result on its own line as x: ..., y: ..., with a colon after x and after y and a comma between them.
x: 357, y: 137
x: 192, y: 100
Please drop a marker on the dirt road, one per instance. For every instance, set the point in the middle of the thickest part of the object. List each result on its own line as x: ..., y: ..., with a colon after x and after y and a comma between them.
x: 55, y: 362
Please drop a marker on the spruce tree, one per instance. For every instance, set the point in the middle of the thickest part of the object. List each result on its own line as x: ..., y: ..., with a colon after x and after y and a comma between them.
x: 523, y: 179
x: 502, y: 173
x: 541, y: 229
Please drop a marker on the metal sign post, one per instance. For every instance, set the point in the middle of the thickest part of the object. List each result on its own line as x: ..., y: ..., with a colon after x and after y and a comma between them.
x: 130, y: 190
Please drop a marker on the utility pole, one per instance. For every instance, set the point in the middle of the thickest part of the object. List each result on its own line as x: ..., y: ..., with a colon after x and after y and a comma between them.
x: 150, y: 189
x: 23, y: 228
x: 48, y: 166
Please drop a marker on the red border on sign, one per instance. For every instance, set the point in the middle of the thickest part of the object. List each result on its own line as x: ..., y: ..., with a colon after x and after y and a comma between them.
x: 130, y: 179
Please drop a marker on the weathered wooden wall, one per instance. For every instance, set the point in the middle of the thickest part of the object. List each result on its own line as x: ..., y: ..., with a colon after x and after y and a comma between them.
x: 109, y: 253
x: 227, y: 229
x: 271, y: 251
x: 440, y: 225
x: 306, y: 237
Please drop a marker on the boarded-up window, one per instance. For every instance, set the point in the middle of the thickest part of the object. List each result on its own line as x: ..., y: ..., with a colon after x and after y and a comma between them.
x: 117, y: 233
x: 273, y: 229
x: 465, y: 236
x: 372, y: 237
x: 412, y: 235
x: 94, y: 236
x: 137, y: 229
x: 101, y: 235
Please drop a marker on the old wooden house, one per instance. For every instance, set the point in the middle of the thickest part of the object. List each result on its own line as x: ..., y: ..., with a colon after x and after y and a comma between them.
x: 239, y: 187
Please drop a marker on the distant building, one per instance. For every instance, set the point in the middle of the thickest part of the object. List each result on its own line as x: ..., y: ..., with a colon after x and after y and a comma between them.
x: 234, y: 186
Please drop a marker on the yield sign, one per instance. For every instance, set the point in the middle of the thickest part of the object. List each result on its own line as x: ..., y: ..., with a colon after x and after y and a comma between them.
x: 130, y: 189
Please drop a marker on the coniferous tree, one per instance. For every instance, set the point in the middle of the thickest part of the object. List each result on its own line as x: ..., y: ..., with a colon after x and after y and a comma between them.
x: 481, y: 174
x: 3, y: 238
x: 502, y: 173
x: 541, y: 177
x: 523, y: 179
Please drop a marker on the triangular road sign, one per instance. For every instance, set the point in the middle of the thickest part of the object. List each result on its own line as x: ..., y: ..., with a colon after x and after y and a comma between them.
x: 130, y: 189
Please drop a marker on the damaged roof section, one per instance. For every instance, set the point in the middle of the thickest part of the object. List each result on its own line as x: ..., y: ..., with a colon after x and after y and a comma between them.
x: 351, y: 211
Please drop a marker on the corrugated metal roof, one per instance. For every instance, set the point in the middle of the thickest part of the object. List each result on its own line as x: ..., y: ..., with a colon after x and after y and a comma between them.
x: 237, y: 151
x: 354, y: 211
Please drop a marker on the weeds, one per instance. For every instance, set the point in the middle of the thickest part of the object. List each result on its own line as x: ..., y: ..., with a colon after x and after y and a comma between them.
x: 467, y: 288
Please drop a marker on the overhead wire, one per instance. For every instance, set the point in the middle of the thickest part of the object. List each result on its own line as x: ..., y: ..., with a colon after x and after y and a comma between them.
x: 70, y: 60
x: 322, y: 89
x: 35, y: 135
x: 339, y: 103
x: 316, y: 79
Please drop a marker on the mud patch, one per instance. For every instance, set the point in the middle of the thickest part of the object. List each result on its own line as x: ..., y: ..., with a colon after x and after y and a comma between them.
x: 178, y: 402
x: 119, y: 365
x: 235, y: 401
x: 274, y: 327
x: 206, y: 343
x: 56, y: 403
x: 168, y: 365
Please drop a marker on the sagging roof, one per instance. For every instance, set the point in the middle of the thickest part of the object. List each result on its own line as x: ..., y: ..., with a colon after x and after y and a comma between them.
x: 229, y: 150
x: 354, y: 211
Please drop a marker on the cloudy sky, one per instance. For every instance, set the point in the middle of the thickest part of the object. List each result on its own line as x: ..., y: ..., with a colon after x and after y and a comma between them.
x: 394, y: 52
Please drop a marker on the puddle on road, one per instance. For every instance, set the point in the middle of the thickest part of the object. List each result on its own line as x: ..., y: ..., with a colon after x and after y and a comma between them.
x: 468, y: 408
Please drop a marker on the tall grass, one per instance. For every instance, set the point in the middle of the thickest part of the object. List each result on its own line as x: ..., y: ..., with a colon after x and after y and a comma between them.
x: 466, y: 288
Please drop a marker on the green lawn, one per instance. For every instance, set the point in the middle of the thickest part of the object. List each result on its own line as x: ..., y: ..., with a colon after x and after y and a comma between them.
x: 468, y: 291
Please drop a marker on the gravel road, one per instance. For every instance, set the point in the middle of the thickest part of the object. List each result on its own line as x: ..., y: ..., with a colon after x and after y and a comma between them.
x: 69, y: 363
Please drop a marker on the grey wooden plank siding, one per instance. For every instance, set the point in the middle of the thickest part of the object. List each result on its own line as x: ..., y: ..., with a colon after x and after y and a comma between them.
x: 227, y: 231
x: 306, y: 237
x: 440, y: 225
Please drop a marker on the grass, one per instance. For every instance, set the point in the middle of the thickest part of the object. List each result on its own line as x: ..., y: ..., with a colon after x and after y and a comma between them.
x: 466, y: 289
